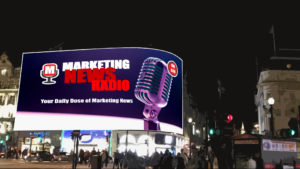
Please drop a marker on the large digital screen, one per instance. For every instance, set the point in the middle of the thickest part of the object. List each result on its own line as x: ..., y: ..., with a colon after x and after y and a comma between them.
x: 100, y: 89
x: 90, y: 139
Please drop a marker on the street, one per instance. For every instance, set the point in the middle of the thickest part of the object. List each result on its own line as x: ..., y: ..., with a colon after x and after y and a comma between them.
x: 13, y: 163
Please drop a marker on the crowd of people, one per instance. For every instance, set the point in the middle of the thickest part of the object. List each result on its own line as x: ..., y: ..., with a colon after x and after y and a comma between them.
x: 13, y: 152
x: 200, y: 159
x: 165, y: 160
x: 85, y: 157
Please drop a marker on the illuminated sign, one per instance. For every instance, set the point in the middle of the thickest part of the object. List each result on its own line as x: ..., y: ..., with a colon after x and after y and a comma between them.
x: 101, y: 89
x: 89, y: 139
x: 272, y: 145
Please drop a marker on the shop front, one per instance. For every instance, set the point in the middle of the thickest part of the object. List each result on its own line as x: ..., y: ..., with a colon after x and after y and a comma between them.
x: 145, y: 143
x: 38, y: 140
x: 90, y: 139
x: 281, y: 153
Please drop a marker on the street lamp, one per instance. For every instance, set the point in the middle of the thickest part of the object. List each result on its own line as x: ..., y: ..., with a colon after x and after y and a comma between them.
x: 271, y: 101
x: 190, y: 120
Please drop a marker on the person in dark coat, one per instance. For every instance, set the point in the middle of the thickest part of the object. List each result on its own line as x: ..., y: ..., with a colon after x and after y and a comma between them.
x: 259, y: 161
x: 180, y: 162
x: 116, y: 159
x: 104, y: 156
x: 93, y: 152
x: 81, y: 156
x: 167, y: 160
x: 155, y: 160
x: 87, y: 155
x: 24, y: 153
x: 122, y: 160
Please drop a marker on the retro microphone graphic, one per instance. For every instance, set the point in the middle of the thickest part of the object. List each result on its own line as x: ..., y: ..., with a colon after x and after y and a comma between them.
x: 153, y: 89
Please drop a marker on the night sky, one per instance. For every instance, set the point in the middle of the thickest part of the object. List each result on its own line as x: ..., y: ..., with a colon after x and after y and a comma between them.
x: 212, y: 45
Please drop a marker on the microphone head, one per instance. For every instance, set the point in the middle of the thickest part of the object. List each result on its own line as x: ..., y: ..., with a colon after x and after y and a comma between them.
x: 154, y: 83
x: 49, y: 71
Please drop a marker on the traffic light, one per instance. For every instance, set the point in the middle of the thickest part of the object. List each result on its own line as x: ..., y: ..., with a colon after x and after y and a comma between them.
x: 229, y: 118
x: 292, y: 132
x: 211, y: 131
x: 287, y: 133
x: 7, y: 137
x: 75, y: 134
x: 293, y: 124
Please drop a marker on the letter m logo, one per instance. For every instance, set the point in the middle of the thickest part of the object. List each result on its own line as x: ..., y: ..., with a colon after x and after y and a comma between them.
x: 49, y: 72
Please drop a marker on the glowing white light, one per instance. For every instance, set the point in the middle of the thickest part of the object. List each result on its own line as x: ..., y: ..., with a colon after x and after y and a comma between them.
x: 45, y: 121
x: 2, y: 128
x: 122, y: 148
x: 131, y: 148
x: 193, y: 129
x: 67, y: 144
x: 51, y: 149
x: 179, y: 142
x: 47, y: 140
x: 5, y: 110
x: 130, y: 139
x: 151, y: 149
x: 3, y: 72
x: 190, y: 120
x: 168, y: 139
x: 159, y: 150
x: 198, y: 131
x: 142, y: 139
x: 36, y: 140
x: 123, y: 139
x: 141, y: 150
x: 271, y: 101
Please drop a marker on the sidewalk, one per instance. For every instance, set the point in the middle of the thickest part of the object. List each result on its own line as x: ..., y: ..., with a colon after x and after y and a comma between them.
x: 20, y: 163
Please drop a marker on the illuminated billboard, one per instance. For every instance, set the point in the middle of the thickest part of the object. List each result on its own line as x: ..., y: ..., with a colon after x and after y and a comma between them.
x: 90, y: 139
x: 100, y: 89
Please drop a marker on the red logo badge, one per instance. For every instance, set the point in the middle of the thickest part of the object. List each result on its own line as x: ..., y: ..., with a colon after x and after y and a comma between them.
x: 172, y: 68
x: 49, y: 72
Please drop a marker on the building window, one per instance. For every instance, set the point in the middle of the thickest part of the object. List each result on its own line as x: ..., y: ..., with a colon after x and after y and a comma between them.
x: 3, y: 72
x: 11, y: 99
x: 2, y: 100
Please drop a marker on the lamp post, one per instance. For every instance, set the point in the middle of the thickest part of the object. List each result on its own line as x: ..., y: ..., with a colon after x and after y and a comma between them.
x: 190, y: 120
x: 271, y: 101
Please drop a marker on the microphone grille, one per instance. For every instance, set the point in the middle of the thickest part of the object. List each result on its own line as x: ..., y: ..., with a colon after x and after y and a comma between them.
x: 154, y: 82
x: 167, y: 87
x: 149, y: 79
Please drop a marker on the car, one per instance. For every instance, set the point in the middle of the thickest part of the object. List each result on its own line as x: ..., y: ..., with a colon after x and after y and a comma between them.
x: 2, y: 154
x: 61, y: 156
x: 40, y: 156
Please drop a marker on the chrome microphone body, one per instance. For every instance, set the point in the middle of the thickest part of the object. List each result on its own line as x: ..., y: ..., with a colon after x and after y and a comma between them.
x: 153, y: 89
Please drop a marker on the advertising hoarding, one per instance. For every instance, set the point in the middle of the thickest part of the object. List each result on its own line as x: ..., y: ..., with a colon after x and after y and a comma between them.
x: 100, y: 89
x: 274, y: 151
